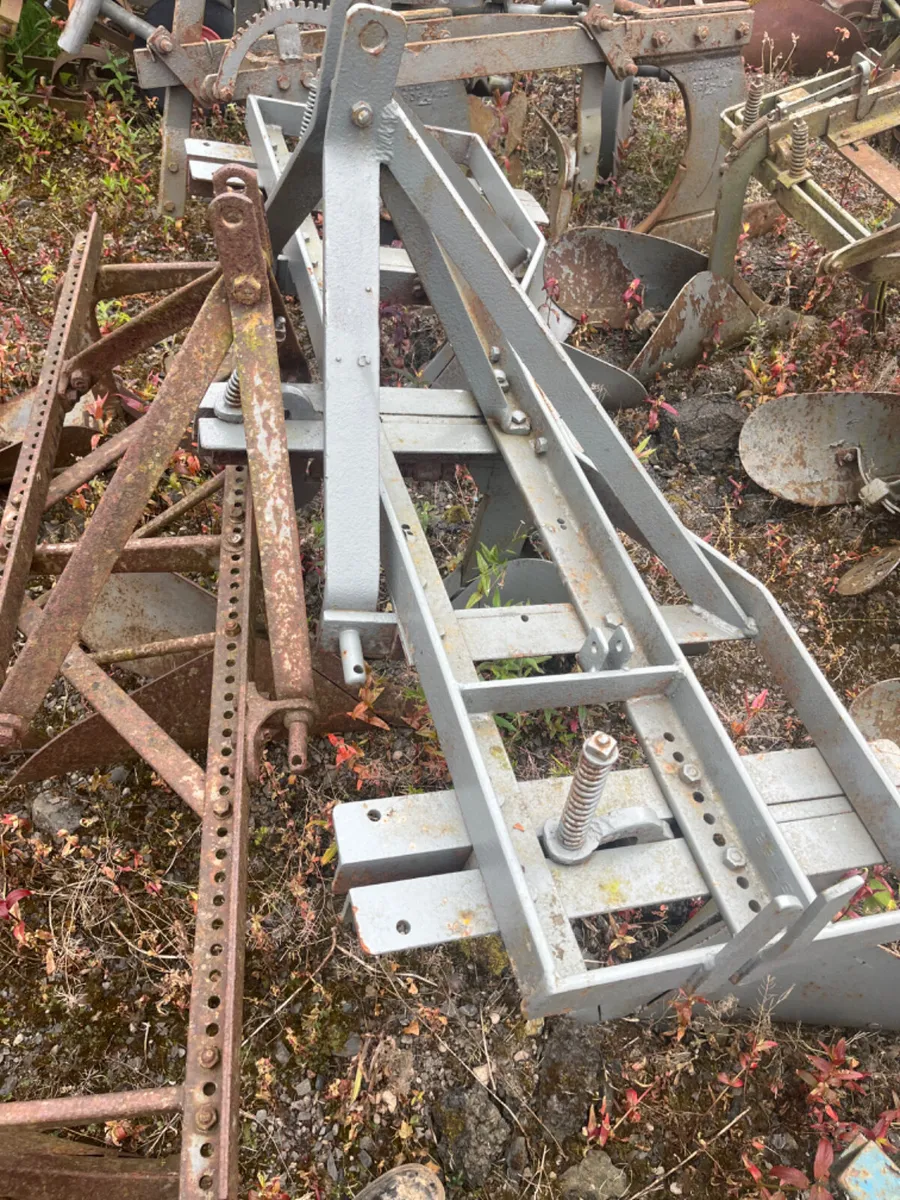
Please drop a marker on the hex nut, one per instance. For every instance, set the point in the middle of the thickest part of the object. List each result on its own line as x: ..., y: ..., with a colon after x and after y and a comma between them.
x: 206, y: 1117
x: 690, y: 773
x: 246, y: 289
x: 208, y: 1057
x: 734, y: 859
x: 361, y: 114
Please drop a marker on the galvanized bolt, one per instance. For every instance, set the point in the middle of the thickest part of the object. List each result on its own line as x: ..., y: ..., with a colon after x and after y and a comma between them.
x: 612, y: 619
x: 208, y: 1057
x: 743, y: 30
x: 15, y: 500
x: 661, y: 38
x: 280, y: 330
x: 221, y: 806
x: 690, y: 773
x: 500, y: 376
x: 587, y: 148
x: 494, y: 354
x: 702, y: 33
x: 163, y: 44
x: 173, y: 167
x: 233, y: 390
x: 599, y: 755
x: 734, y: 859
x: 169, y: 206
x: 541, y: 445
x: 799, y: 146
x: 235, y: 539
x: 518, y: 420
x: 361, y: 114
x: 246, y: 289
x: 232, y: 628
x: 753, y: 103
x: 283, y: 83
x: 206, y: 1117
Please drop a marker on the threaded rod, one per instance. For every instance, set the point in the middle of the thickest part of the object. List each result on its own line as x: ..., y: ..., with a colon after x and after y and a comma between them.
x: 753, y: 103
x: 799, y: 146
x: 599, y: 755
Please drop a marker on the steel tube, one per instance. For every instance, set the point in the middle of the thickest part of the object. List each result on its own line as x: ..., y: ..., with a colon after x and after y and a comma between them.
x: 88, y: 1110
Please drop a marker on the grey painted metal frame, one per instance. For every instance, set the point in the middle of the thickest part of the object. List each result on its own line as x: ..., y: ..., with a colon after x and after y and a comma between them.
x: 576, y: 480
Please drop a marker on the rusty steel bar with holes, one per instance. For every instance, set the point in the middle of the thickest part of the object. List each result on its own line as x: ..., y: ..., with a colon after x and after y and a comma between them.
x: 31, y: 481
x: 238, y: 222
x: 210, y: 1131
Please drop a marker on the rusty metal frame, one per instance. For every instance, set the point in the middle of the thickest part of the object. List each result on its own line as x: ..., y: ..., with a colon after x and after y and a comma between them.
x: 701, y: 50
x: 233, y: 302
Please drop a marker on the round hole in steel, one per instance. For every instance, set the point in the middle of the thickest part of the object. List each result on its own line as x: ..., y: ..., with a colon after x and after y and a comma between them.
x: 678, y: 756
x: 670, y: 737
x: 742, y: 882
x: 373, y: 814
x: 719, y: 839
x: 754, y: 906
x: 709, y: 818
x: 373, y: 37
x: 699, y: 797
x: 403, y: 927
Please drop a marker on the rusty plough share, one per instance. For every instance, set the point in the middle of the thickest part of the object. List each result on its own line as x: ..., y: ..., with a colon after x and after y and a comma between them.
x: 772, y: 841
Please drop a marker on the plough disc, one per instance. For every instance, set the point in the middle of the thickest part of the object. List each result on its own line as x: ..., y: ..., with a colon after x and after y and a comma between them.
x: 808, y: 448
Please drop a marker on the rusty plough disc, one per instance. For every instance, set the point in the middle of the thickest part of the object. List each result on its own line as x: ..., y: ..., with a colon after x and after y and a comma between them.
x: 877, y: 710
x: 800, y: 36
x: 824, y: 447
x: 871, y: 571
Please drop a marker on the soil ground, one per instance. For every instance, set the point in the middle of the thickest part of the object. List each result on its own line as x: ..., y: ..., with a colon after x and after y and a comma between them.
x: 353, y: 1064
